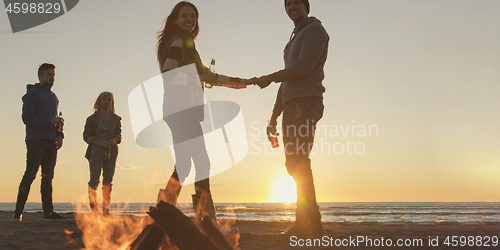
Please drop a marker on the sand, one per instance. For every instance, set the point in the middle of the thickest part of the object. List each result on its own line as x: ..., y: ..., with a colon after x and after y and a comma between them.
x: 36, y: 233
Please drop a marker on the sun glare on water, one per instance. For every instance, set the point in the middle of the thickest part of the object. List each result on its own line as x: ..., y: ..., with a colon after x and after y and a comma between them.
x: 284, y: 190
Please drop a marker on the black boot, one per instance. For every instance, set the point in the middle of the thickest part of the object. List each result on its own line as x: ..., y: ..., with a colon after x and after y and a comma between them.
x: 203, y: 203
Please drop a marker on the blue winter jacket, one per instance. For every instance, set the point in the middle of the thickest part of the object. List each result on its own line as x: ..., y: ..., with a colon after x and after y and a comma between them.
x: 39, y: 108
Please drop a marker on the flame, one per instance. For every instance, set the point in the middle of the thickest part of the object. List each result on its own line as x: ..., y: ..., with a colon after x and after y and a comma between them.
x: 109, y: 232
x: 227, y: 229
x: 169, y: 245
x: 118, y: 231
x: 225, y: 226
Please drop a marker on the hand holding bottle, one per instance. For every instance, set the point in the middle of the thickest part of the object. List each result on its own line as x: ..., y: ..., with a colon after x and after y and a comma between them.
x: 272, y: 135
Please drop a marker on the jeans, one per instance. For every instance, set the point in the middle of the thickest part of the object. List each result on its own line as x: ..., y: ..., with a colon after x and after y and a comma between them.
x: 300, y: 117
x: 96, y: 163
x: 189, y: 143
x: 39, y: 153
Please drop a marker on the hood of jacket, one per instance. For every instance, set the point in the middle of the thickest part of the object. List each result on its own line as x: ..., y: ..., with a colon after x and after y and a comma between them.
x: 30, y: 86
x: 36, y: 86
x: 306, y: 22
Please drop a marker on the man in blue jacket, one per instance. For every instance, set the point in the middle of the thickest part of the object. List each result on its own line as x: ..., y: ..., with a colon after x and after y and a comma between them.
x: 300, y: 99
x: 43, y: 138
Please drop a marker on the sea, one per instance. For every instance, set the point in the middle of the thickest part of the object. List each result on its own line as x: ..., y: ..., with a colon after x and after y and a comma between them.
x: 379, y: 212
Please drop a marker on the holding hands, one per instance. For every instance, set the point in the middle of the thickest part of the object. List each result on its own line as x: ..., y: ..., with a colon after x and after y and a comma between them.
x: 262, y: 81
x: 210, y: 79
x: 222, y: 80
x: 235, y: 82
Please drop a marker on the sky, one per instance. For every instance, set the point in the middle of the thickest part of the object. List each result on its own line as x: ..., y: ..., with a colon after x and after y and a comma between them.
x: 411, y: 104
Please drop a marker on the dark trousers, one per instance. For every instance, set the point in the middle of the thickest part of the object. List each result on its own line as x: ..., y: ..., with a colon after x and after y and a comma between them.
x: 300, y: 116
x: 39, y: 153
x: 96, y: 164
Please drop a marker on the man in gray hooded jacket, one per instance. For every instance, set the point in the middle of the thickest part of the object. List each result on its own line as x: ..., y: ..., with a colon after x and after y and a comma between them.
x: 300, y: 99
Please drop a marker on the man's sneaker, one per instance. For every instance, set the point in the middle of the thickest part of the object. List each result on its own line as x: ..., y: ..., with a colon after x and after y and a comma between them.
x: 17, y: 217
x: 54, y: 216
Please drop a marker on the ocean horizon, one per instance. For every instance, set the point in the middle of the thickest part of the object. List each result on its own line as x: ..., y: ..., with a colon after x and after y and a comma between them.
x: 379, y: 212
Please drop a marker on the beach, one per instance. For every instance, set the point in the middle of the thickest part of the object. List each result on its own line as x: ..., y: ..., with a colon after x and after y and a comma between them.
x: 35, y: 233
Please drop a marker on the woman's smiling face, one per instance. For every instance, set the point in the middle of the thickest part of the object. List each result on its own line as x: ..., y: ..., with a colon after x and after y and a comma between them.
x: 186, y: 19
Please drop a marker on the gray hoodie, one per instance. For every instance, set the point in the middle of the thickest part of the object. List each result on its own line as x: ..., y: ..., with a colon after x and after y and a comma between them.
x: 305, y: 56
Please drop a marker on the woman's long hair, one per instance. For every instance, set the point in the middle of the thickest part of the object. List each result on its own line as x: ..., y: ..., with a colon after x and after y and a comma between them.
x: 97, y: 103
x: 169, y: 28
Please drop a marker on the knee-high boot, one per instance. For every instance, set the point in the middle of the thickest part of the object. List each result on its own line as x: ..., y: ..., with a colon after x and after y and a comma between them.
x: 93, y: 200
x: 106, y: 198
x: 203, y: 203
x: 171, y: 191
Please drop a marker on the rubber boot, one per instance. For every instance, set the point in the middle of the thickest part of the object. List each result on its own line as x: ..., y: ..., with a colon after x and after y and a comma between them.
x: 203, y: 205
x: 106, y: 198
x: 93, y: 200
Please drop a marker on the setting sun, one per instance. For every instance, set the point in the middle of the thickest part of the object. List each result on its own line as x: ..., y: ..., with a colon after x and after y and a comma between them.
x: 284, y: 190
